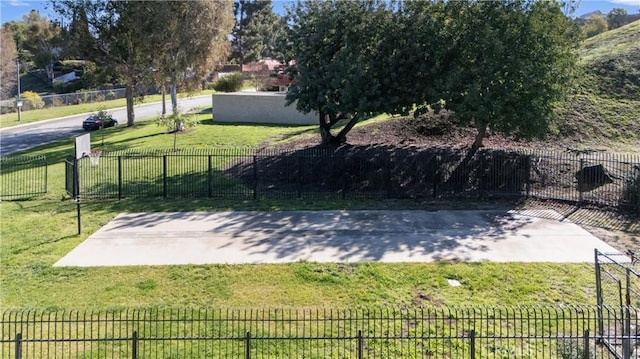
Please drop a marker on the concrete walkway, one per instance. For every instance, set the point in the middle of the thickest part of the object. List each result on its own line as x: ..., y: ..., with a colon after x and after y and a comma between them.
x: 335, y: 236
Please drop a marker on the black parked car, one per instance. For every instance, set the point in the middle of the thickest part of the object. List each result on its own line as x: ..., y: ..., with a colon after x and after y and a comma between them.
x: 94, y: 122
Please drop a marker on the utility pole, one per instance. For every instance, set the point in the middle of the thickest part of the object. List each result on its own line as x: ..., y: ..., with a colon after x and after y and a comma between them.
x: 18, y: 99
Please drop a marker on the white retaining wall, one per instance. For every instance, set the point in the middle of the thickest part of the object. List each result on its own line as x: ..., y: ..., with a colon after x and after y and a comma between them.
x: 258, y: 107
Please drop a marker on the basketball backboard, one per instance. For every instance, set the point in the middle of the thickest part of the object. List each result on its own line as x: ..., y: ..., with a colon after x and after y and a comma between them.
x: 83, y: 145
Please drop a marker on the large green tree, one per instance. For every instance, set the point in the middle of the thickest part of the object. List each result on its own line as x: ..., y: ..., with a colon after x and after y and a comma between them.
x: 509, y: 62
x: 116, y: 37
x: 176, y: 40
x: 617, y: 17
x: 38, y: 40
x: 498, y: 65
x: 255, y: 32
x: 347, y: 65
x: 595, y: 25
x: 190, y: 39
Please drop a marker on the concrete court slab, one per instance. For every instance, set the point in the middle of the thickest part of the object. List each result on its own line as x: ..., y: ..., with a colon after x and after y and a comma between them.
x: 164, y: 238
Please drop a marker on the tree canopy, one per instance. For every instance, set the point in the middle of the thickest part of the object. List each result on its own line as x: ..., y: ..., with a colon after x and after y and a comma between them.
x: 37, y: 39
x: 595, y: 25
x: 344, y: 62
x: 114, y: 36
x: 255, y: 32
x: 498, y: 65
x: 616, y: 17
x: 8, y: 65
x: 190, y: 39
x: 508, y: 64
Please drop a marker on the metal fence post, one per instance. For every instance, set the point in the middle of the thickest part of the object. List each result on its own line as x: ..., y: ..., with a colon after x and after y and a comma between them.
x: 438, y: 177
x: 472, y: 338
x: 247, y: 345
x: 119, y: 178
x: 46, y: 175
x: 343, y: 179
x: 164, y: 176
x: 480, y: 174
x: 599, y: 297
x: 527, y: 169
x: 299, y: 177
x: 359, y: 345
x: 209, y: 177
x: 580, y: 180
x: 626, y: 332
x: 387, y: 177
x: 585, y: 344
x: 18, y: 343
x: 134, y: 345
x: 255, y: 177
x: 76, y: 192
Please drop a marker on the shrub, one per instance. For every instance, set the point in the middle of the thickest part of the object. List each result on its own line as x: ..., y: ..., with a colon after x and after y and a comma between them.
x: 32, y: 101
x: 68, y: 87
x: 430, y: 123
x: 631, y: 191
x: 229, y: 83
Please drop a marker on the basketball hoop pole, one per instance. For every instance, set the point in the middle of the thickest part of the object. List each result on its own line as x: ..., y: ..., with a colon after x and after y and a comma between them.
x: 78, y: 199
x: 82, y: 147
x: 76, y: 191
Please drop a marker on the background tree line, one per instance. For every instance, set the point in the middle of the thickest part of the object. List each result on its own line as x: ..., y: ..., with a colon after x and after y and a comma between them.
x: 498, y: 65
x: 597, y: 23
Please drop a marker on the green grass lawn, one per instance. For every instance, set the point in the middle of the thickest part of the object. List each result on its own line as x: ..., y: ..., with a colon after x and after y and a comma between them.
x: 38, y: 232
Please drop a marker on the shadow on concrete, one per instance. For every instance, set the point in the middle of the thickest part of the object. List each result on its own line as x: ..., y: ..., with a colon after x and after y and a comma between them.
x: 347, y: 235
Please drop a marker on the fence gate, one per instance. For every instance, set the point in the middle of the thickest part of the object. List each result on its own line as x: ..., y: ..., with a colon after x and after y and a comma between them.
x: 70, y: 174
x: 618, y: 286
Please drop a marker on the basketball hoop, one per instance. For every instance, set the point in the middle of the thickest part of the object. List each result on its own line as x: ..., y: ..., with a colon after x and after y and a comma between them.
x: 94, y: 156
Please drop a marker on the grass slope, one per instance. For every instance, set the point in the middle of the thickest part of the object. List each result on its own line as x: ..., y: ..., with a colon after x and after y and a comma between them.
x: 605, y: 108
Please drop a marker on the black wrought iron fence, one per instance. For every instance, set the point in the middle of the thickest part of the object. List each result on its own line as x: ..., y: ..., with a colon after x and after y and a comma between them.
x: 618, y: 284
x: 22, y: 176
x: 597, y: 178
x: 433, y: 332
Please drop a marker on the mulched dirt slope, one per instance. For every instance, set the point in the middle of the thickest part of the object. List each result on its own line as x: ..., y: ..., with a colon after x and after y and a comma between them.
x: 405, y: 132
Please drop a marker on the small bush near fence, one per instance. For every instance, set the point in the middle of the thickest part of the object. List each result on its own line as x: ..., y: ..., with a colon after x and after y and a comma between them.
x: 364, y: 172
x: 32, y: 101
x: 631, y: 193
x: 433, y: 332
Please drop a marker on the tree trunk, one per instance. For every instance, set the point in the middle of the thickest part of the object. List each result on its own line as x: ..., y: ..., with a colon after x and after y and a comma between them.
x: 482, y: 132
x: 325, y: 128
x: 342, y: 136
x: 131, y: 117
x: 174, y: 96
x: 164, y: 99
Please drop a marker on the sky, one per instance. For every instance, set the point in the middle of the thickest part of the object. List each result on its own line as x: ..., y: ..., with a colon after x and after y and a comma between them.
x: 15, y: 9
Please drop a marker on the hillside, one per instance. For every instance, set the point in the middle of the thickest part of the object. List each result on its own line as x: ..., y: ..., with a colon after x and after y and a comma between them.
x: 605, y: 108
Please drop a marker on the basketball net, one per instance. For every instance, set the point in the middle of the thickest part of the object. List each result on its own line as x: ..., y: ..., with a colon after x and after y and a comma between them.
x: 94, y: 156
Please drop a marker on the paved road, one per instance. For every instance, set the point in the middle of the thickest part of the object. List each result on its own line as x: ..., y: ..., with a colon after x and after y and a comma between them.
x: 167, y: 238
x: 23, y: 137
